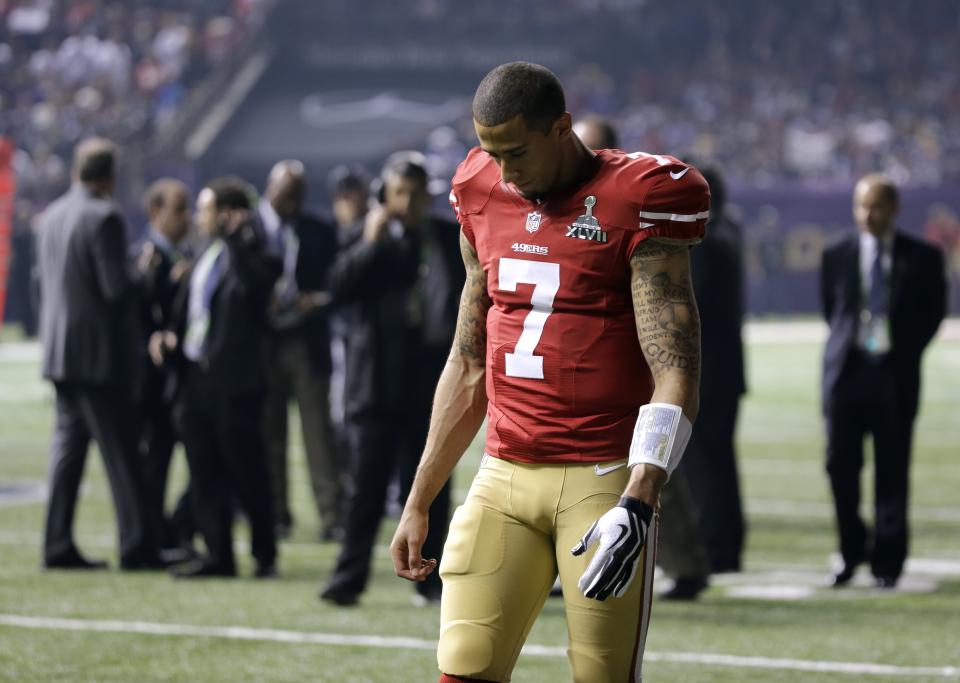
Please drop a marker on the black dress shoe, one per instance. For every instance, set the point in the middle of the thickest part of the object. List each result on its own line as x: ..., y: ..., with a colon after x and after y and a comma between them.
x: 266, y: 571
x: 686, y: 588
x: 203, y: 569
x: 339, y: 597
x: 842, y: 577
x: 141, y: 562
x: 886, y: 581
x: 73, y: 560
x: 178, y: 554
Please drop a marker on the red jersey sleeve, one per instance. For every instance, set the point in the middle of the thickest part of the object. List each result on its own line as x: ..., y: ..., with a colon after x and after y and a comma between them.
x: 470, y: 188
x: 673, y: 201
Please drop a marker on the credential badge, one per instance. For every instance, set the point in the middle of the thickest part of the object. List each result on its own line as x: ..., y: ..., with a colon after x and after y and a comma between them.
x: 533, y: 221
x: 587, y: 227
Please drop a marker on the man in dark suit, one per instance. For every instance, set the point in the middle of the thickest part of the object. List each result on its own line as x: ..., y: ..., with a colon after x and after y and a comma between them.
x: 884, y: 296
x: 166, y: 256
x: 349, y: 189
x: 298, y: 363
x: 90, y: 341
x: 710, y: 465
x: 398, y: 288
x: 219, y: 333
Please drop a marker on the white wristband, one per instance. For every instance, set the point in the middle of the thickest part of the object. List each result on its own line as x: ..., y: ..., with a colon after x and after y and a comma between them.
x: 660, y: 436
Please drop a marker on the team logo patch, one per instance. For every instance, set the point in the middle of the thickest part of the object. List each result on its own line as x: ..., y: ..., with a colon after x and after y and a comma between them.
x: 533, y: 221
x: 587, y: 227
x: 531, y: 249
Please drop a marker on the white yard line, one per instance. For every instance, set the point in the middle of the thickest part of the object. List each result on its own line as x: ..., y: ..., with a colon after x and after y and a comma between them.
x: 398, y: 643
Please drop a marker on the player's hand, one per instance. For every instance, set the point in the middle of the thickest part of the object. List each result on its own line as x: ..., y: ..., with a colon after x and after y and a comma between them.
x: 407, y: 544
x: 621, y: 531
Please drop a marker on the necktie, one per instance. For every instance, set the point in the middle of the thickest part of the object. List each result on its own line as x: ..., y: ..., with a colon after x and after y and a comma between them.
x: 877, y: 298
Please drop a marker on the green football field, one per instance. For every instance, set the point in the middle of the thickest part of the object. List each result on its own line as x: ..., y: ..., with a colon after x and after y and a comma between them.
x: 773, y: 622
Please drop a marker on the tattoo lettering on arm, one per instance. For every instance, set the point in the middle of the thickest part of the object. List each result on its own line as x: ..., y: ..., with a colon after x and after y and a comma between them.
x: 471, y: 336
x: 668, y: 323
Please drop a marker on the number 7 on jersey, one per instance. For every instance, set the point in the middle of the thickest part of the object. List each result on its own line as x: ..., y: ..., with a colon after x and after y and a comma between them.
x: 545, y: 278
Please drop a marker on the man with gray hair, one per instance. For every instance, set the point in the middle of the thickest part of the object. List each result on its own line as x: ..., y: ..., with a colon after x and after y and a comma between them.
x: 298, y: 362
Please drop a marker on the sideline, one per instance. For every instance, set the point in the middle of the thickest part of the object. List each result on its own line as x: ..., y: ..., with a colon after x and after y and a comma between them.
x: 398, y: 643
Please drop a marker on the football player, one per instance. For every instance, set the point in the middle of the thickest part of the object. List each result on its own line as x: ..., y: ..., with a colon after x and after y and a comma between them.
x: 579, y: 340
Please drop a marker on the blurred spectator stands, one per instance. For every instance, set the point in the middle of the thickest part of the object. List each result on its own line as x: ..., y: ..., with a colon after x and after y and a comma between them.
x: 820, y: 91
x: 74, y: 68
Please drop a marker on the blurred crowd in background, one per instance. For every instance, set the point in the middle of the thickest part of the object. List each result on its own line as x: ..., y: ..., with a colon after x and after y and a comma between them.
x: 821, y: 92
x: 74, y: 68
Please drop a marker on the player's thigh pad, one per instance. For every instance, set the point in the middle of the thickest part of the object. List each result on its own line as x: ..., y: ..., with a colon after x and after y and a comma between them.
x: 497, y: 572
x: 606, y: 638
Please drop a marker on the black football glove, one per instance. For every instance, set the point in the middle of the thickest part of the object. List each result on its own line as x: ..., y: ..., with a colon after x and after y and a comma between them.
x: 622, y: 531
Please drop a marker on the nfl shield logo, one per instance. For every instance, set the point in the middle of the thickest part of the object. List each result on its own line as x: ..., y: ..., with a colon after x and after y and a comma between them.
x: 533, y: 221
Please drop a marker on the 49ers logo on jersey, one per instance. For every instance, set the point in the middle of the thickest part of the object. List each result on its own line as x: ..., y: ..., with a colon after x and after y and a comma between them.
x: 587, y: 227
x: 531, y: 249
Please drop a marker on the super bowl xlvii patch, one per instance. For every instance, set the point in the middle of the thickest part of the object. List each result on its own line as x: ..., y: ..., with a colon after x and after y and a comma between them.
x: 587, y: 227
x: 533, y: 221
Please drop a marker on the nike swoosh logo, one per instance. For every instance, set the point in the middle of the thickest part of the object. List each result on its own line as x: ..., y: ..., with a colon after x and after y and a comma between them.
x: 679, y: 175
x: 607, y: 470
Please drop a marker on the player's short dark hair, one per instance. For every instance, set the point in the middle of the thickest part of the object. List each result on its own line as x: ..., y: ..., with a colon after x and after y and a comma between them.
x: 519, y: 89
x: 94, y: 160
x: 231, y: 192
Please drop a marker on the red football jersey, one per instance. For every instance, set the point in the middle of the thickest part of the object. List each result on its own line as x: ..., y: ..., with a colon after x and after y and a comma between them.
x: 565, y: 375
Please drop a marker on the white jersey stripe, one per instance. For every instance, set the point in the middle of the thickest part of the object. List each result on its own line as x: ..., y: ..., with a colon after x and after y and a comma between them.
x: 675, y: 217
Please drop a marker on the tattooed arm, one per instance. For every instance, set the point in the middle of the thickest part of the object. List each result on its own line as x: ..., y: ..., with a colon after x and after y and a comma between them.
x: 459, y: 407
x: 668, y: 326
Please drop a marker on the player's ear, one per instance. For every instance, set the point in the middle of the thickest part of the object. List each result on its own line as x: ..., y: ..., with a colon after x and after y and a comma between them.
x: 563, y: 126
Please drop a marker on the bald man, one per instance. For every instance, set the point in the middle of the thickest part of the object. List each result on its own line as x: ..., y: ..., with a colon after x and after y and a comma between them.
x: 299, y: 346
x: 884, y: 296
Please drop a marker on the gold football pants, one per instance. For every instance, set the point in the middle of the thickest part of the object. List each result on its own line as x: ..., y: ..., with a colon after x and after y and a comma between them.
x: 507, y: 543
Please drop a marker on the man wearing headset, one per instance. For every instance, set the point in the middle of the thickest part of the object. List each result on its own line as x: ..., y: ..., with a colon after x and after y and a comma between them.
x: 398, y: 290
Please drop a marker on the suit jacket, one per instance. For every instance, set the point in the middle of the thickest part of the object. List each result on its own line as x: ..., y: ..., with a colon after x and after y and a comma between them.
x: 716, y: 268
x: 371, y: 284
x: 234, y: 351
x: 442, y: 279
x: 315, y: 259
x: 88, y: 323
x: 158, y: 294
x: 918, y: 303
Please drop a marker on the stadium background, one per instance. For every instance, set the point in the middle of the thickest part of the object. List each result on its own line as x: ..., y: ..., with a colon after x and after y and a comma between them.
x: 793, y: 101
